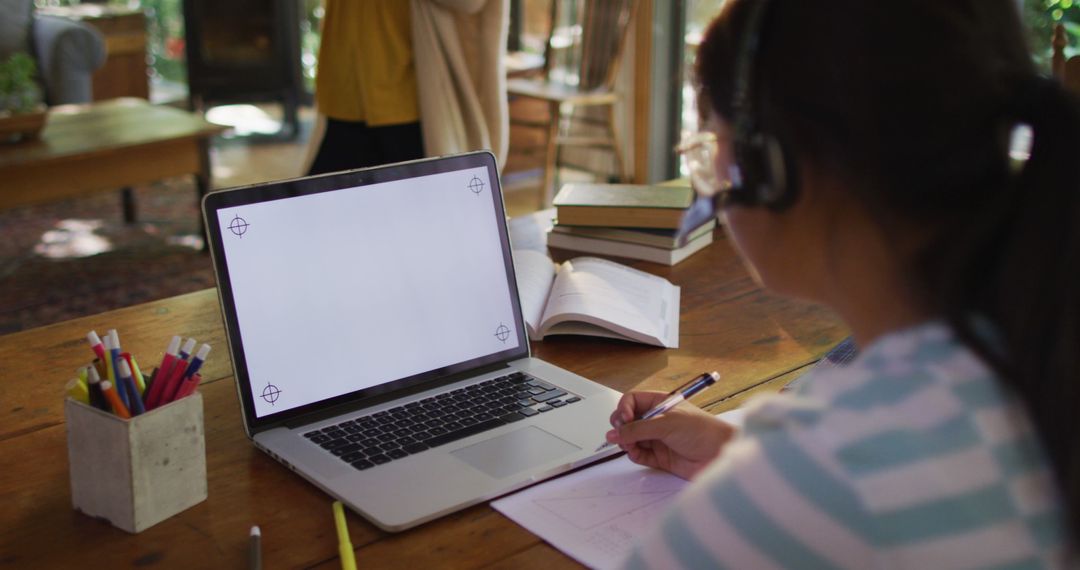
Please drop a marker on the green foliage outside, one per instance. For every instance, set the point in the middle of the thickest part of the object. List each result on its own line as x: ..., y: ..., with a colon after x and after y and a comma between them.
x: 165, y: 44
x: 19, y: 92
x: 1040, y: 18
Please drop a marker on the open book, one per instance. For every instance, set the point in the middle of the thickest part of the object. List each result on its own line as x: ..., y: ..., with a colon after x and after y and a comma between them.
x: 596, y: 297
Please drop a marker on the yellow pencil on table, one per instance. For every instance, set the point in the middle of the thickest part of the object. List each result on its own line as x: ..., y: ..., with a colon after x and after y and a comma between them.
x: 348, y: 560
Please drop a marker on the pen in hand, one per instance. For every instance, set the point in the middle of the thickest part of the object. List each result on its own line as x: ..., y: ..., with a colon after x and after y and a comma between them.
x: 676, y: 397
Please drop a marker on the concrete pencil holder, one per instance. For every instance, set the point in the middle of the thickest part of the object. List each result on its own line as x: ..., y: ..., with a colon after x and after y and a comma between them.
x: 136, y: 473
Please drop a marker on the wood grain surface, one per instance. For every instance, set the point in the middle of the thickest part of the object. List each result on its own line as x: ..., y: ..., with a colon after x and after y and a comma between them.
x: 756, y: 340
x: 103, y: 146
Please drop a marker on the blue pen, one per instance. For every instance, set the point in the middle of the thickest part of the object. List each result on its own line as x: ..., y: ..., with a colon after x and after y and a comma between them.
x: 113, y: 352
x: 127, y: 384
x: 122, y: 388
x: 676, y: 397
x: 185, y: 352
x: 197, y: 362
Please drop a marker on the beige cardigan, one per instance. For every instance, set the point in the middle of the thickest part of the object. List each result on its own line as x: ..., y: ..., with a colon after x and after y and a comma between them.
x: 460, y: 52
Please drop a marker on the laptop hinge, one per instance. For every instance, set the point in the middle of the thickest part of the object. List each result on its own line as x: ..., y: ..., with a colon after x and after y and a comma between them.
x: 396, y: 395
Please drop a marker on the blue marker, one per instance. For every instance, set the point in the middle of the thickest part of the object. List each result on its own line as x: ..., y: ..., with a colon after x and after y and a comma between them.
x: 113, y: 353
x: 127, y: 384
x: 185, y: 352
x: 197, y: 362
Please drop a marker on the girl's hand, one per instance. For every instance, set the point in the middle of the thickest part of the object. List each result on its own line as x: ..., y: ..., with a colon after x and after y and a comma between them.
x: 683, y: 440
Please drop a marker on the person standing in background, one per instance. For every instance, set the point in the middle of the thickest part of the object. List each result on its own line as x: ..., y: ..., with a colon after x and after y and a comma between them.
x: 365, y: 87
x: 401, y: 80
x: 460, y: 48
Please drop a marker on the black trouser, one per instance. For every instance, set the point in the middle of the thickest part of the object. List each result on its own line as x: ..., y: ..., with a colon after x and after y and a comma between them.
x: 349, y: 144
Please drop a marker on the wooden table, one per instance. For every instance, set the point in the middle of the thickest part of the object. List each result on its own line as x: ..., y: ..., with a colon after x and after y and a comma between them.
x: 757, y: 341
x: 106, y: 146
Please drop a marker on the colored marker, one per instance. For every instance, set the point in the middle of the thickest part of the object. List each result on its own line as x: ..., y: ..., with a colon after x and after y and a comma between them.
x: 114, y: 349
x: 169, y: 358
x: 348, y: 559
x: 128, y: 384
x: 170, y: 383
x: 114, y: 400
x: 110, y: 369
x: 99, y: 365
x: 77, y: 390
x: 188, y: 386
x: 95, y: 344
x: 136, y: 374
x: 189, y: 346
x: 93, y: 383
x: 197, y: 362
x: 157, y: 383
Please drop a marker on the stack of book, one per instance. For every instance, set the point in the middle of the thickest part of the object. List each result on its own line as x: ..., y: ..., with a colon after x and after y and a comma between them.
x: 626, y: 220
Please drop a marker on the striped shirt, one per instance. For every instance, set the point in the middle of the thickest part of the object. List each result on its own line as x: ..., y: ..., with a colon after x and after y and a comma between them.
x: 912, y: 456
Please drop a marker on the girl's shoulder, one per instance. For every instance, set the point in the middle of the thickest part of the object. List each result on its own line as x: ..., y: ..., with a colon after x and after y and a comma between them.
x: 924, y: 441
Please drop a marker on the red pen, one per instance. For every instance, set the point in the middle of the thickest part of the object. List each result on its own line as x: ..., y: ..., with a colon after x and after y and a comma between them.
x: 170, y: 383
x: 153, y: 394
x: 95, y: 344
x: 170, y: 354
x: 188, y: 386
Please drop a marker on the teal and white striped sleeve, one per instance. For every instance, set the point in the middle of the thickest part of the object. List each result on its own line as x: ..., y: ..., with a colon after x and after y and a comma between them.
x: 767, y: 503
x: 912, y: 457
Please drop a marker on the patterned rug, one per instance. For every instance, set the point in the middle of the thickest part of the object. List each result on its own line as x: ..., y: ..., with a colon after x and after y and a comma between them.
x: 69, y: 259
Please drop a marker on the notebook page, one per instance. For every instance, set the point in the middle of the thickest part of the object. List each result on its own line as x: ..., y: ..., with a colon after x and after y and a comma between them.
x: 535, y: 274
x: 595, y: 515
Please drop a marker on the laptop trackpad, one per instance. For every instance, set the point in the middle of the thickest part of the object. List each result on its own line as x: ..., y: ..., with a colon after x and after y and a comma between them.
x: 515, y: 452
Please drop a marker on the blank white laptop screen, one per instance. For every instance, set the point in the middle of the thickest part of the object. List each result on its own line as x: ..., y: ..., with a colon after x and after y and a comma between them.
x: 334, y: 295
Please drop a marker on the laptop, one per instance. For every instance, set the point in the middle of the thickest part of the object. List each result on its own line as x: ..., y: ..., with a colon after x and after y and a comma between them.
x: 378, y: 343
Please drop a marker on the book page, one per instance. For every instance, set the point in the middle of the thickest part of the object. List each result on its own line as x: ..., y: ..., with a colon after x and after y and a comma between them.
x: 637, y: 305
x: 535, y: 274
x: 595, y: 515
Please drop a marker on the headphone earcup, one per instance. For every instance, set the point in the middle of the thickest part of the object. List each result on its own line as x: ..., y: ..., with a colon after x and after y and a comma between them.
x: 775, y: 178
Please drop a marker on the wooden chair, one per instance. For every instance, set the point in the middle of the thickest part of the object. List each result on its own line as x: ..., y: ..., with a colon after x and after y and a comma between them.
x: 592, y: 47
x: 1065, y: 70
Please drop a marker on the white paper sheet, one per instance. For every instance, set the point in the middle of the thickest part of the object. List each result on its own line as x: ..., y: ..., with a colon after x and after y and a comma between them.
x: 595, y: 515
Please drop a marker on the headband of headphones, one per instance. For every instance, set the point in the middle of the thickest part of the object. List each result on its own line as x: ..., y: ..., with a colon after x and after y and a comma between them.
x: 764, y: 173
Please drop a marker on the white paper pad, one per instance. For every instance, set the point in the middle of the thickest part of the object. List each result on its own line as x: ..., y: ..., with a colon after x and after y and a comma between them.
x: 595, y: 515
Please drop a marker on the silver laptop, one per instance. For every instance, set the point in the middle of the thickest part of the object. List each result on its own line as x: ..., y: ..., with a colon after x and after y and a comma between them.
x: 378, y: 343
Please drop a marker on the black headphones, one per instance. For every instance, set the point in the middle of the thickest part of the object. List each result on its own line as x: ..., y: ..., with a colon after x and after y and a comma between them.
x: 765, y: 174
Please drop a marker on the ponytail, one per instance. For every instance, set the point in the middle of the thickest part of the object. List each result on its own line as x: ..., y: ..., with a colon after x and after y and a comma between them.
x: 1018, y: 265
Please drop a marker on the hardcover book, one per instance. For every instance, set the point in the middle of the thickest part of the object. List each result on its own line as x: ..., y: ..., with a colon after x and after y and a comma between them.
x: 622, y: 205
x: 600, y: 246
x: 644, y: 236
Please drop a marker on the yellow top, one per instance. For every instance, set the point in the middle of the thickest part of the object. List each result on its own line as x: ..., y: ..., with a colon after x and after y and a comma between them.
x: 366, y: 70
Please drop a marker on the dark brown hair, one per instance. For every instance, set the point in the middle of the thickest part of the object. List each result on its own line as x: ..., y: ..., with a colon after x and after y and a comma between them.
x: 912, y: 103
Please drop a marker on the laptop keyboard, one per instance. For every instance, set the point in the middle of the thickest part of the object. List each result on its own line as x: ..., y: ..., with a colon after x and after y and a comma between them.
x: 382, y: 437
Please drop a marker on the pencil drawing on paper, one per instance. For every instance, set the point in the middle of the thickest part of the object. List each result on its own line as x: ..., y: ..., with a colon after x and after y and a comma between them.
x: 590, y: 504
